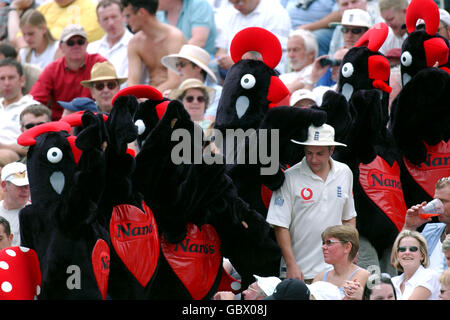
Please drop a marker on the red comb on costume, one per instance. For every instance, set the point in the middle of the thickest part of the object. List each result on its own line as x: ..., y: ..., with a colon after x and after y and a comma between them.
x: 139, y: 91
x: 28, y: 138
x: 259, y: 40
x: 426, y: 10
x: 74, y: 119
x: 374, y: 38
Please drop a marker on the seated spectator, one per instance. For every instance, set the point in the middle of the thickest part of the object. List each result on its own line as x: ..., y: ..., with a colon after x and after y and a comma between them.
x: 41, y: 46
x: 152, y: 41
x: 60, y: 13
x: 104, y: 84
x: 340, y: 245
x: 394, y: 14
x: 192, y: 62
x: 379, y: 287
x: 6, y: 237
x: 354, y: 23
x: 315, y: 16
x: 114, y: 44
x: 60, y: 80
x: 16, y: 9
x: 195, y: 18
x: 266, y: 14
x: 337, y: 40
x: 261, y: 288
x: 196, y: 97
x: 30, y: 71
x: 12, y: 103
x: 78, y: 104
x: 410, y: 256
x: 302, y: 50
x: 34, y: 115
x: 16, y: 194
x: 444, y: 279
x: 302, y: 98
x: 290, y: 289
x: 444, y: 24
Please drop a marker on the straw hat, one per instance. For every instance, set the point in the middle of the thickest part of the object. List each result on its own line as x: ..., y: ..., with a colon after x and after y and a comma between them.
x: 192, y: 53
x: 102, y: 71
x: 320, y: 136
x: 192, y: 84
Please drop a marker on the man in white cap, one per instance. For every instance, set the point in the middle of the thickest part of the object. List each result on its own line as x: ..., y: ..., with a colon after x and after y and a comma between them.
x: 317, y: 193
x: 444, y: 24
x: 258, y: 290
x: 192, y: 62
x: 16, y: 194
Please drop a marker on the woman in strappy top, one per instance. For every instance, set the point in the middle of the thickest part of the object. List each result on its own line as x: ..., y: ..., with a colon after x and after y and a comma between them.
x: 340, y: 245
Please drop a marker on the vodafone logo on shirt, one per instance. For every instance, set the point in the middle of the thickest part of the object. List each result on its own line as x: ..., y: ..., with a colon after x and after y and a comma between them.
x: 306, y: 193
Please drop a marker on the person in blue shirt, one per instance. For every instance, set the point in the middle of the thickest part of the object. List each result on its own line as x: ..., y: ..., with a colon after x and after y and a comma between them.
x: 195, y: 18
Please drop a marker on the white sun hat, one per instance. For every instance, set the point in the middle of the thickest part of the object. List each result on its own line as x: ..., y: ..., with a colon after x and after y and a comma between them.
x: 320, y: 136
x: 193, y: 53
x: 267, y: 284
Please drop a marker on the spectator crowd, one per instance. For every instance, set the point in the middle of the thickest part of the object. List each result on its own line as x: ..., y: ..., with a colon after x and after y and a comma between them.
x: 63, y: 56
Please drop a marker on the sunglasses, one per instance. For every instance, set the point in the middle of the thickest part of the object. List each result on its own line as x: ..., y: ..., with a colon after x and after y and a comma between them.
x: 181, y: 64
x: 80, y: 42
x: 31, y: 125
x: 101, y: 85
x: 191, y: 99
x: 331, y: 242
x: 411, y: 249
x: 353, y: 30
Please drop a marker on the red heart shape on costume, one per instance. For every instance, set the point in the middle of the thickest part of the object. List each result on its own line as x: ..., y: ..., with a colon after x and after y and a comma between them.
x: 20, y: 274
x: 134, y: 236
x: 436, y: 166
x: 382, y: 185
x: 195, y: 260
x: 100, y: 264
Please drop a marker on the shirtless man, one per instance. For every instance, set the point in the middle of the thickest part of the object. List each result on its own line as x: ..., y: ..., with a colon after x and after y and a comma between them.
x: 152, y: 41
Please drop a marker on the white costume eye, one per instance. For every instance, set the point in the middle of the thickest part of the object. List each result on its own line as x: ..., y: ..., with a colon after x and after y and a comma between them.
x: 406, y: 58
x: 248, y: 81
x: 347, y: 70
x: 54, y: 155
x: 140, y: 126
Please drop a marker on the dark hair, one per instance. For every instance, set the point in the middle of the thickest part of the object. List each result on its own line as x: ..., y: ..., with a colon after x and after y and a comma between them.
x: 13, y: 63
x: 8, y: 50
x: 374, y: 280
x: 150, y: 5
x: 107, y: 3
x: 6, y: 226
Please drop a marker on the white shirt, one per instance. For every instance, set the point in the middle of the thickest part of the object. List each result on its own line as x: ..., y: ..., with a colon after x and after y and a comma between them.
x: 307, y: 205
x: 117, y: 54
x: 290, y: 77
x: 426, y: 278
x: 392, y: 41
x: 10, y: 118
x: 269, y: 14
x: 13, y: 218
x: 41, y: 60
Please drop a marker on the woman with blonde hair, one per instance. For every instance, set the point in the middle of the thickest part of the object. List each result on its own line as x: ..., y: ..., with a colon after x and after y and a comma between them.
x: 410, y: 256
x: 41, y: 46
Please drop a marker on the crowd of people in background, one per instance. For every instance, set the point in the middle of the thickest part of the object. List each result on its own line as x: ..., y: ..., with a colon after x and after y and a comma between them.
x: 64, y: 56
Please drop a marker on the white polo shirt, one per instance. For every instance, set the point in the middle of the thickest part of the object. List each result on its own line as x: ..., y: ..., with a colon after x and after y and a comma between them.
x: 307, y: 205
x: 426, y: 278
x: 117, y: 54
